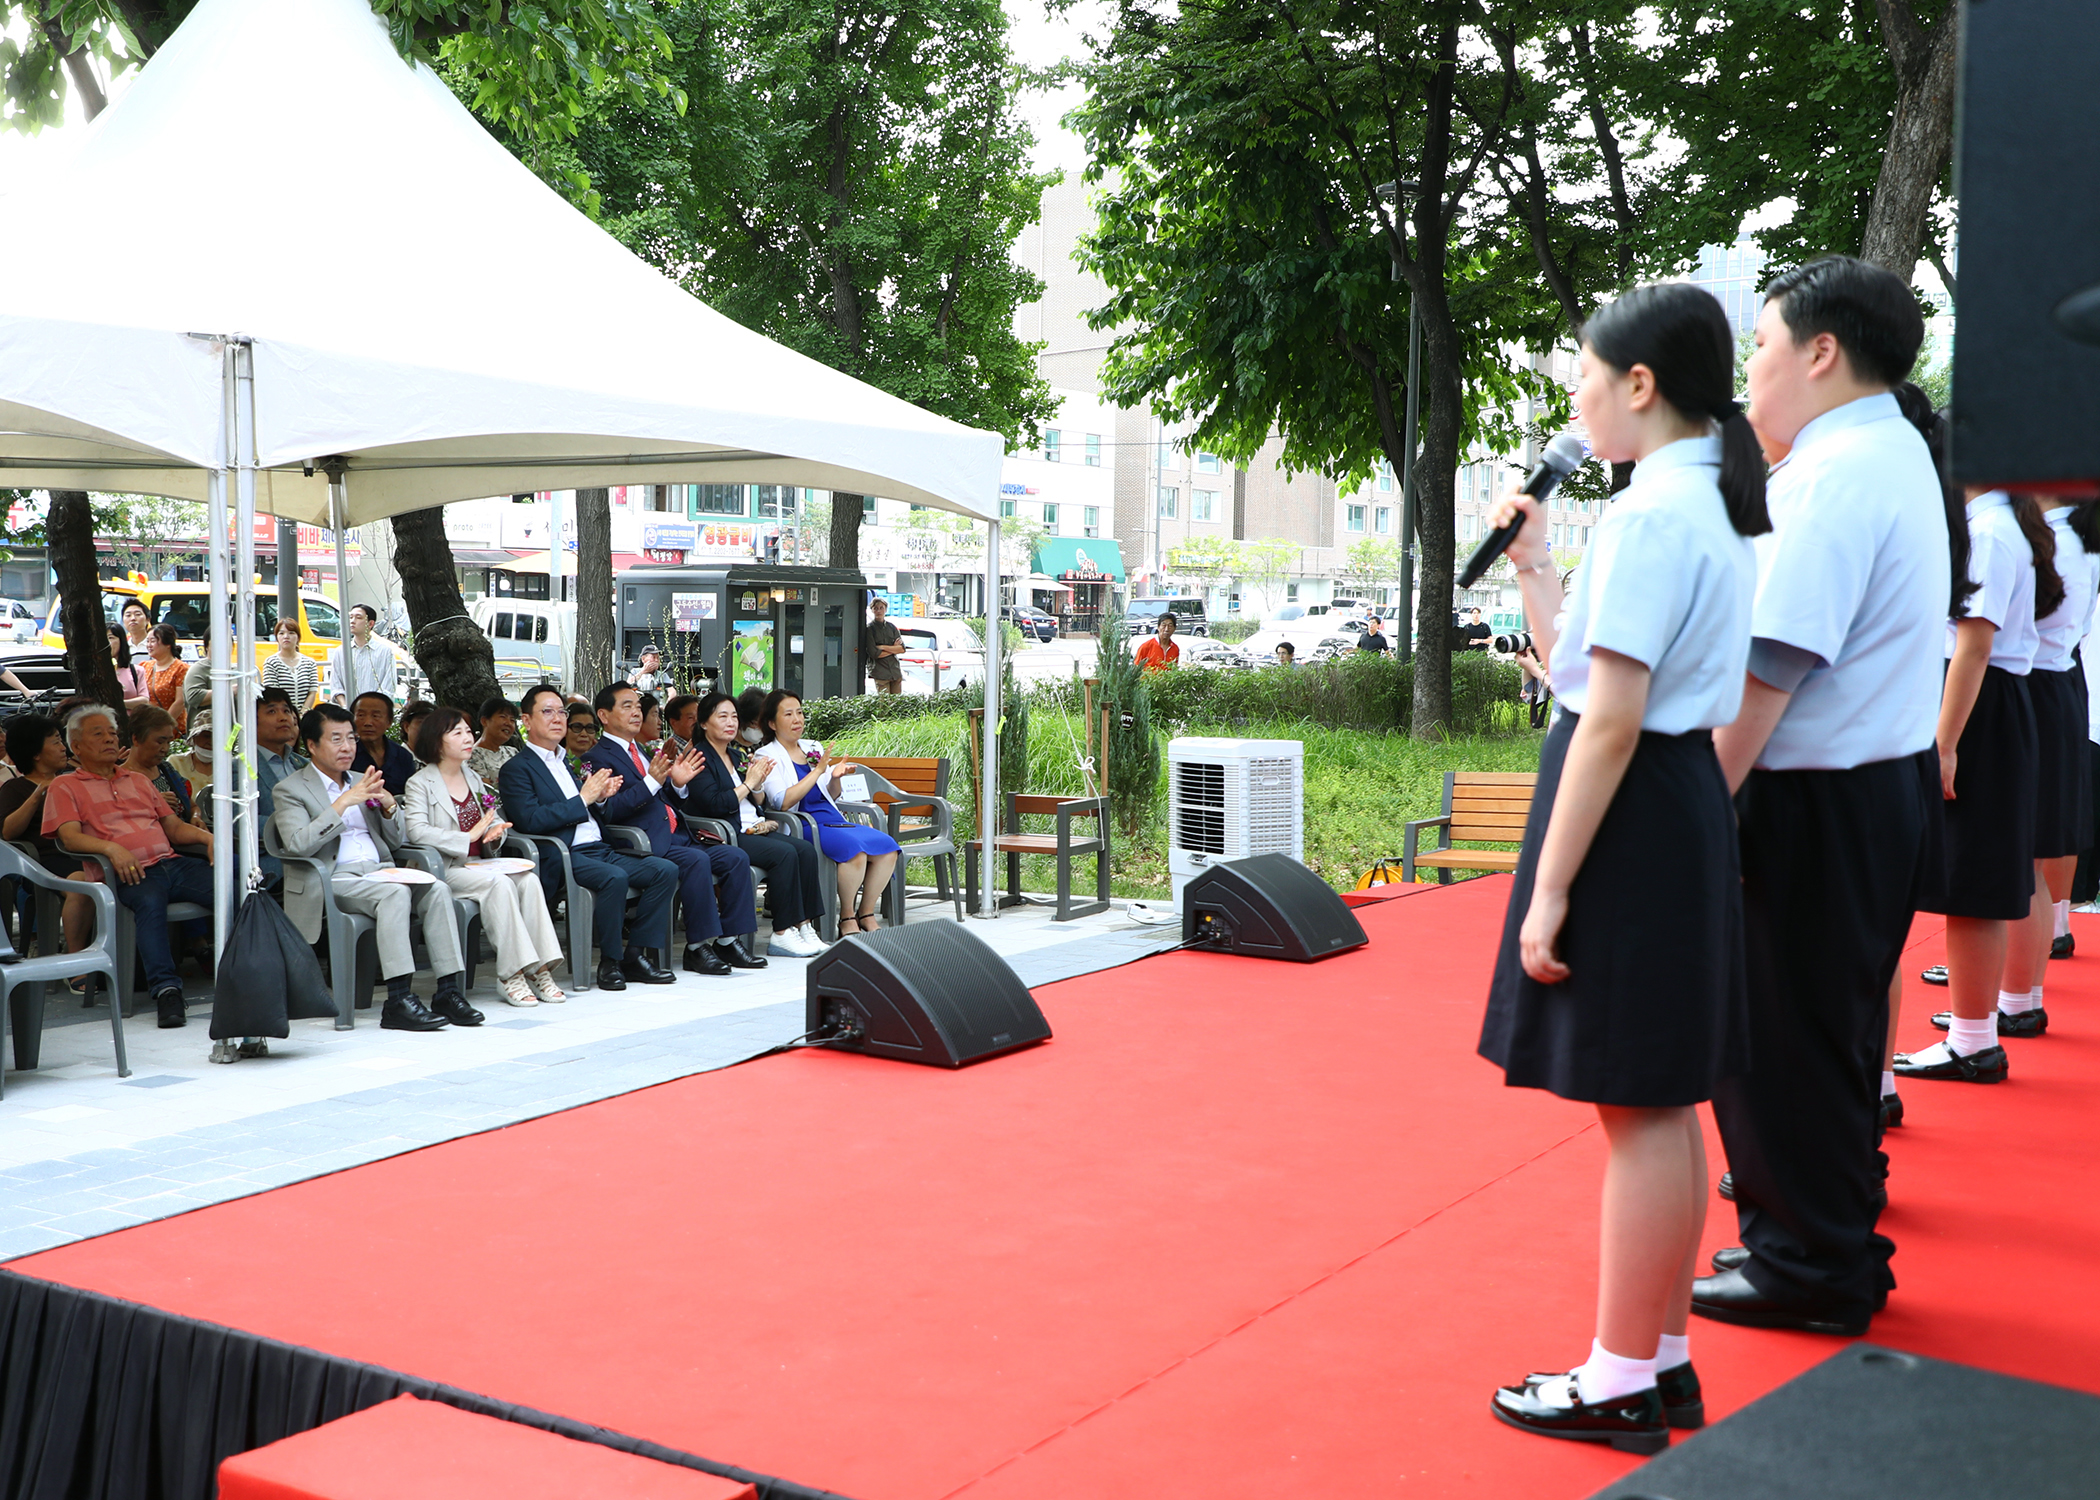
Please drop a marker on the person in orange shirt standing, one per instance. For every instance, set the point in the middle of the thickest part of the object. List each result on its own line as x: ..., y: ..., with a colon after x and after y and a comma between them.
x: 1160, y: 654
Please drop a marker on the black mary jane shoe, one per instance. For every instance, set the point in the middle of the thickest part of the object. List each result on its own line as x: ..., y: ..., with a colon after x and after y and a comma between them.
x: 1987, y: 1066
x: 1684, y: 1404
x: 1891, y: 1111
x: 1732, y: 1258
x: 1632, y: 1424
x: 1726, y: 1186
x: 1937, y: 974
x: 2026, y: 1023
x: 1730, y: 1297
x: 2063, y: 947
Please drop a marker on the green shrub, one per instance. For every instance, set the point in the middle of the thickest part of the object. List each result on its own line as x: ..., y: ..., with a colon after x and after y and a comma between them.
x: 1233, y: 630
x: 1133, y: 749
x: 1355, y: 692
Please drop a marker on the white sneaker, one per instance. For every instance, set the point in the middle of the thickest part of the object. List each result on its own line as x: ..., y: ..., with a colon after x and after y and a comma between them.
x: 788, y: 944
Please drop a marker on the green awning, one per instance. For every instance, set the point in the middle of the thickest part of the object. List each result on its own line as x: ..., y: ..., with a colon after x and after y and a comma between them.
x: 1073, y: 559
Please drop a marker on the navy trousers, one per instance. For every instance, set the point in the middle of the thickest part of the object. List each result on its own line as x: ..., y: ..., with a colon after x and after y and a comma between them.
x: 609, y: 874
x: 714, y: 881
x: 168, y: 881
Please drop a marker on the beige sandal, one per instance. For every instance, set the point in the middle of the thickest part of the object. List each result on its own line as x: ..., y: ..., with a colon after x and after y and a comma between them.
x: 543, y: 985
x: 518, y: 992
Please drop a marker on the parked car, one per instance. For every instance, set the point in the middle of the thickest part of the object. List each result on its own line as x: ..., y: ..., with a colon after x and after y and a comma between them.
x: 1034, y: 623
x: 1315, y: 640
x: 1200, y: 651
x: 1190, y: 615
x: 938, y: 651
x: 18, y: 623
x: 526, y: 634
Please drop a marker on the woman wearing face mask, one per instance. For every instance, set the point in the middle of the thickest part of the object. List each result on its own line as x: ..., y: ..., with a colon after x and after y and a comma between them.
x: 192, y: 763
x: 450, y: 810
x: 794, y: 883
x: 1621, y: 982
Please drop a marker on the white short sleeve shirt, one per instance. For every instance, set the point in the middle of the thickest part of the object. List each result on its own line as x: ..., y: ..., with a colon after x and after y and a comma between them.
x: 2001, y: 565
x: 1855, y: 572
x: 2064, y: 628
x: 1667, y: 582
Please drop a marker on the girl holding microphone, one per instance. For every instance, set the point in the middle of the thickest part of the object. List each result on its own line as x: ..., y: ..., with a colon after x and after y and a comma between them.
x: 1620, y: 980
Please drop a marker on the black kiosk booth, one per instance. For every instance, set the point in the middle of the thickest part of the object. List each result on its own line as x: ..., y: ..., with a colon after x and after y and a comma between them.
x: 749, y: 624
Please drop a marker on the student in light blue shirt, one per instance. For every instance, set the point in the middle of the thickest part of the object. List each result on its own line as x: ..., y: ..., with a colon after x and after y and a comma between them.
x: 1840, y: 798
x: 1620, y: 981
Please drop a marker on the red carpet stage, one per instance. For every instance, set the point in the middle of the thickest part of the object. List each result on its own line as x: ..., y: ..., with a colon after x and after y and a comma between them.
x: 1242, y: 1229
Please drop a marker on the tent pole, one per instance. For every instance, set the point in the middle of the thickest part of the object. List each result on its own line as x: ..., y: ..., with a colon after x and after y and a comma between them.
x: 221, y: 517
x: 233, y: 693
x: 988, y: 787
x: 337, y: 505
x: 564, y: 643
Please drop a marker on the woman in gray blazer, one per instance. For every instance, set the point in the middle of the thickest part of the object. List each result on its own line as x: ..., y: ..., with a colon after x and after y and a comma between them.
x: 446, y: 808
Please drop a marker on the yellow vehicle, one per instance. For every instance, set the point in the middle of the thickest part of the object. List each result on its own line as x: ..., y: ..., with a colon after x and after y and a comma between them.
x: 186, y: 606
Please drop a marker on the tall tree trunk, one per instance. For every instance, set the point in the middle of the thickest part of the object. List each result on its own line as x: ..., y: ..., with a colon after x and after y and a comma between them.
x: 451, y: 648
x: 1921, y: 137
x: 846, y: 512
x: 594, y: 590
x: 1435, y: 471
x: 70, y: 531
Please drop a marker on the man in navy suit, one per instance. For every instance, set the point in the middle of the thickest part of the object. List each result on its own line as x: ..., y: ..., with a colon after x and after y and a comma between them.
x: 540, y: 796
x: 714, y: 880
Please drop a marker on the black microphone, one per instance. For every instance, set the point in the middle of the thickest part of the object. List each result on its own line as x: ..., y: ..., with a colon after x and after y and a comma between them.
x: 1563, y: 456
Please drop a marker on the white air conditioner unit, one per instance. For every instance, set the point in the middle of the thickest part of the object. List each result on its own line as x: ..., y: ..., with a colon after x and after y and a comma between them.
x: 1228, y: 799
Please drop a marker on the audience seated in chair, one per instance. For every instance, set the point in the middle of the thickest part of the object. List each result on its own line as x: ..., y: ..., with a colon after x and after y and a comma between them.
x: 348, y: 821
x: 105, y: 809
x: 276, y: 757
x: 540, y: 796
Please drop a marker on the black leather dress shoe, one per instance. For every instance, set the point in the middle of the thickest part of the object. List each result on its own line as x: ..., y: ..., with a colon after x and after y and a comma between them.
x: 643, y: 970
x: 1937, y: 974
x: 1726, y: 1186
x: 1728, y: 1297
x: 2026, y: 1023
x: 1987, y: 1066
x: 1891, y: 1111
x: 706, y: 958
x: 610, y: 977
x: 738, y: 952
x: 1683, y: 1404
x: 409, y: 1014
x: 1733, y: 1258
x: 2063, y: 947
x: 1631, y: 1424
x: 454, y: 1008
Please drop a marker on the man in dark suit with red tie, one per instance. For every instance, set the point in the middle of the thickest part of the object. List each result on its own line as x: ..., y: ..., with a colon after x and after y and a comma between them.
x: 714, y: 880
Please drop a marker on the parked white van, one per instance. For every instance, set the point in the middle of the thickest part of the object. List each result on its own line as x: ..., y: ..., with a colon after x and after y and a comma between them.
x: 527, y: 634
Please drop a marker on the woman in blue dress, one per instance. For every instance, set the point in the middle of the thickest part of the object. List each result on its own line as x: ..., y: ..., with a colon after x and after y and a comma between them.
x: 801, y: 777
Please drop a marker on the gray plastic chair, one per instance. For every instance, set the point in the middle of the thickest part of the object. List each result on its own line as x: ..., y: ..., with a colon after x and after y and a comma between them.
x: 466, y: 908
x: 934, y: 840
x: 22, y: 982
x: 353, y: 947
x: 127, y: 929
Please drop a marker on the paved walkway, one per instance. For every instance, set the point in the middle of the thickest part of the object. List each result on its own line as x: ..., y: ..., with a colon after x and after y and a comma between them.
x: 83, y: 1152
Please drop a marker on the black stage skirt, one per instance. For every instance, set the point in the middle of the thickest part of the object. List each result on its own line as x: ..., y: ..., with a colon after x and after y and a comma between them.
x: 2063, y: 797
x: 1988, y: 872
x: 1654, y: 1008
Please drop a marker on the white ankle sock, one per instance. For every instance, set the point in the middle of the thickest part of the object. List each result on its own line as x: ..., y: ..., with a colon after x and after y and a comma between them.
x: 1605, y: 1375
x: 2017, y: 1004
x: 1888, y: 1083
x: 1967, y: 1038
x: 2035, y: 995
x: 1672, y: 1350
x: 2063, y: 917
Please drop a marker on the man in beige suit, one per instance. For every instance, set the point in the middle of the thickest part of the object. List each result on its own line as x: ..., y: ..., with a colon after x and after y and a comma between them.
x: 347, y: 821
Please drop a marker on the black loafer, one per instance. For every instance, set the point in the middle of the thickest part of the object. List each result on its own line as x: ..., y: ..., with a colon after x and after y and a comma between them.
x: 2026, y: 1023
x: 1733, y: 1258
x: 1937, y: 974
x: 610, y: 977
x: 2063, y: 947
x: 705, y: 959
x: 456, y: 1009
x: 1987, y: 1066
x: 643, y: 970
x: 1726, y: 1186
x: 1729, y: 1297
x: 1891, y: 1111
x: 1684, y: 1406
x: 1631, y: 1424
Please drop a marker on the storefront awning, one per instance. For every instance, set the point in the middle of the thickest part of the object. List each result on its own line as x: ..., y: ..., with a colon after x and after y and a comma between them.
x: 1071, y: 559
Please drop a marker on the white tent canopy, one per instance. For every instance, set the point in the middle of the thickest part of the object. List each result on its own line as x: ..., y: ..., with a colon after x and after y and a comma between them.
x: 285, y: 251
x: 420, y: 305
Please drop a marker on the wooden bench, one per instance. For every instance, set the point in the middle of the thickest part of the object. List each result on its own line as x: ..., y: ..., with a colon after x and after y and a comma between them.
x: 1062, y: 845
x: 1482, y: 807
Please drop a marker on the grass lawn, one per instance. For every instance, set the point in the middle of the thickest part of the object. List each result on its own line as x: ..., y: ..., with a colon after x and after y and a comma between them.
x: 1360, y: 789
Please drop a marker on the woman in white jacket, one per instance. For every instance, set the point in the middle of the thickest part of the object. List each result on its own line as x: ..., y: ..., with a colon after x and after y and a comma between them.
x: 449, y: 810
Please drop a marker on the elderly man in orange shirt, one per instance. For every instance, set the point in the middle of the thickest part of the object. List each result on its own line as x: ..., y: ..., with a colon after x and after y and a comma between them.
x: 102, y: 808
x: 1160, y: 654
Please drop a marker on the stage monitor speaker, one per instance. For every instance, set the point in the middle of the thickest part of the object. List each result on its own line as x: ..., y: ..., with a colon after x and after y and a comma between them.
x: 931, y: 993
x: 1875, y: 1424
x: 2027, y: 364
x: 1268, y: 906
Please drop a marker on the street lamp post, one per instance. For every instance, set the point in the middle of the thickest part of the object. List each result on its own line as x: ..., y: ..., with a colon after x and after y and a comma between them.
x: 1404, y: 648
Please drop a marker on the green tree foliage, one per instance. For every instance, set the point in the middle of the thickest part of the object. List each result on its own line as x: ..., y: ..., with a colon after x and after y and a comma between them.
x: 1133, y: 749
x: 847, y: 179
x: 1251, y: 259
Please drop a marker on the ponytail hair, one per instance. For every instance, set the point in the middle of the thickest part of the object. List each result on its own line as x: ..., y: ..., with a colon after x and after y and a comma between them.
x: 2049, y: 587
x: 1934, y: 427
x: 2085, y: 524
x: 1680, y: 333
